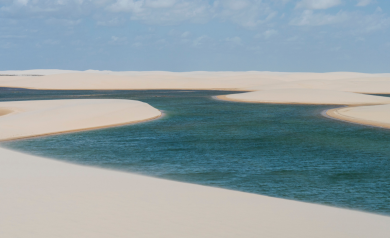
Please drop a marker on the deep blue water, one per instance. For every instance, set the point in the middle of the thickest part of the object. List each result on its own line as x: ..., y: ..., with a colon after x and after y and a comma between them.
x: 287, y: 151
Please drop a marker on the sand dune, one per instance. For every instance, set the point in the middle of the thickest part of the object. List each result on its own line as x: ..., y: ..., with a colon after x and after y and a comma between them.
x: 378, y: 85
x: 45, y: 198
x: 252, y: 80
x: 306, y: 96
x: 152, y: 80
x: 32, y: 118
x: 378, y: 115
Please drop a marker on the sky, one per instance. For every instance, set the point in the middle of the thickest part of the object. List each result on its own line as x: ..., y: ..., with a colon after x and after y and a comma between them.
x: 196, y: 35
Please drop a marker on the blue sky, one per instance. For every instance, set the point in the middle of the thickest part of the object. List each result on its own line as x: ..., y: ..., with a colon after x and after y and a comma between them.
x: 184, y: 35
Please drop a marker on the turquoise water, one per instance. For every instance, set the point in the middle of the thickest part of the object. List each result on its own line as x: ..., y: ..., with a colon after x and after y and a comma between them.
x: 287, y: 151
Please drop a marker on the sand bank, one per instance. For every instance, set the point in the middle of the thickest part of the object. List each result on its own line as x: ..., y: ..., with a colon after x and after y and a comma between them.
x: 45, y: 198
x: 306, y: 96
x: 370, y: 85
x: 33, y: 118
x: 378, y: 115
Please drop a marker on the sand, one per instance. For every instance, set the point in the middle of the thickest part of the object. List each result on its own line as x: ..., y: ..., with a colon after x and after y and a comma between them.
x: 306, y: 96
x: 42, y: 198
x: 249, y: 81
x: 46, y: 198
x: 33, y: 118
x: 378, y: 115
x: 136, y: 81
x: 5, y: 111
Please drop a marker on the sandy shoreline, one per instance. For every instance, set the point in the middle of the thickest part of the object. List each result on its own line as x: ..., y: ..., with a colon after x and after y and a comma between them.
x: 225, y: 98
x: 338, y: 114
x: 48, y: 117
x: 85, y: 129
x: 46, y: 198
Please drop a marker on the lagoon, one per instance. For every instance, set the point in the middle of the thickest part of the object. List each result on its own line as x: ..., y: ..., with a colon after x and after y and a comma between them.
x: 286, y: 151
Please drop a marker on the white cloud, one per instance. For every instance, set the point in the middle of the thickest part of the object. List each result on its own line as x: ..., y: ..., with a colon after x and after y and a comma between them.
x: 163, y: 11
x: 247, y: 13
x: 236, y: 4
x: 234, y: 40
x: 267, y: 34
x: 185, y: 34
x: 356, y: 22
x: 114, y: 21
x: 308, y: 18
x: 160, y: 3
x: 22, y: 2
x: 363, y: 3
x: 51, y: 42
x: 374, y: 22
x: 318, y: 4
x: 117, y: 40
x: 12, y: 36
x: 250, y: 14
x: 202, y: 40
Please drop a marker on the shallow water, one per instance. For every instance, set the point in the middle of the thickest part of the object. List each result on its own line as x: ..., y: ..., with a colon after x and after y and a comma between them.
x: 287, y: 151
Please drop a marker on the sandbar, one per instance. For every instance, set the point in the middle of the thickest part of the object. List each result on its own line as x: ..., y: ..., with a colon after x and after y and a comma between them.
x: 378, y: 115
x: 306, y: 96
x: 44, y: 117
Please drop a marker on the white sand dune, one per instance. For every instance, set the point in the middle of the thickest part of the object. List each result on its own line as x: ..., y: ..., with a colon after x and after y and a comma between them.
x: 31, y: 118
x: 377, y: 85
x: 36, y: 72
x: 43, y: 198
x: 307, y: 96
x: 378, y: 115
x: 196, y: 80
x: 137, y: 80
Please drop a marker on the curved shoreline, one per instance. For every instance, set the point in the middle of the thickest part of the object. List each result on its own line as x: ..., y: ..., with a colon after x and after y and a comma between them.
x: 85, y: 129
x: 49, y: 117
x: 334, y: 114
x: 330, y: 113
x: 224, y: 98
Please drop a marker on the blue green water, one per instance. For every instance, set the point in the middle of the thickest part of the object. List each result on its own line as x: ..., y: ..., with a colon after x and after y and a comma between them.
x: 287, y: 151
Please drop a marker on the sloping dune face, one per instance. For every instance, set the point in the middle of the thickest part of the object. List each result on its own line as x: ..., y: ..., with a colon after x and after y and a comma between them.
x: 32, y: 118
x: 44, y: 198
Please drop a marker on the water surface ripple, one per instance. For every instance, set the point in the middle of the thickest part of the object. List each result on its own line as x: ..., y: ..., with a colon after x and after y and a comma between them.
x: 287, y: 151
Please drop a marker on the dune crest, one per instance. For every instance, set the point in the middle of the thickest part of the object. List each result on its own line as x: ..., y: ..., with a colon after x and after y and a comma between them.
x: 34, y: 118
